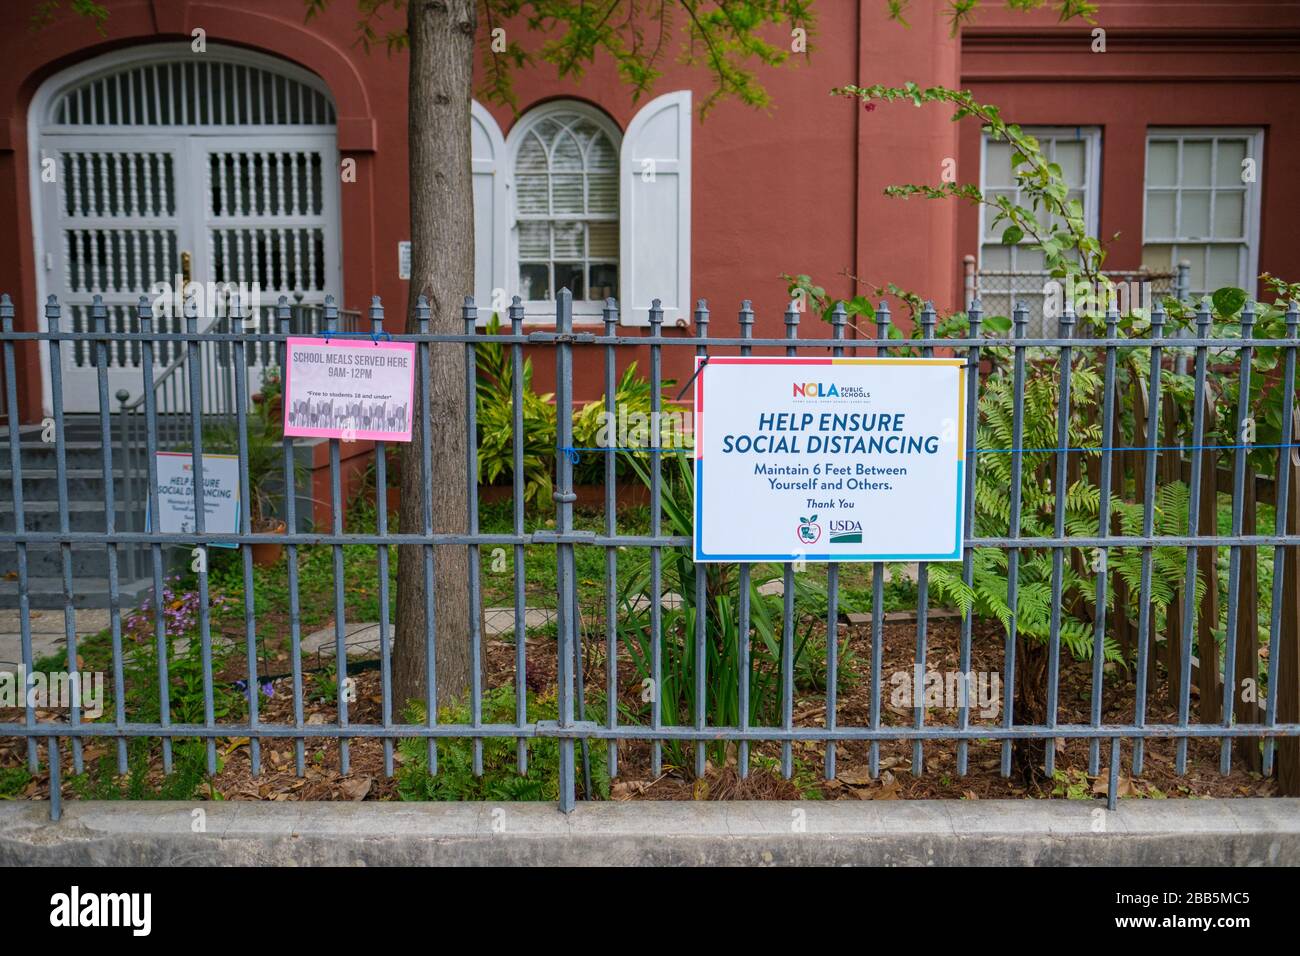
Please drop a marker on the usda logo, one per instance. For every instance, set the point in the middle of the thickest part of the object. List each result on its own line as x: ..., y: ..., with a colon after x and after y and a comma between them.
x: 845, y: 531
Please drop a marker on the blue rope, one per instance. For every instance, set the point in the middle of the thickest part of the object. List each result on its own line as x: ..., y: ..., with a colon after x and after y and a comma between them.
x: 372, y: 336
x: 575, y: 455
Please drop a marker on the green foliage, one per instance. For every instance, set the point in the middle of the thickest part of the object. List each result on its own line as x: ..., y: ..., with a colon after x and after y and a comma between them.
x: 12, y: 781
x: 962, y: 12
x: 47, y: 10
x: 723, y: 640
x: 455, y: 779
x: 1044, y: 213
x: 988, y: 596
x: 101, y: 781
x: 495, y: 409
x: 728, y: 39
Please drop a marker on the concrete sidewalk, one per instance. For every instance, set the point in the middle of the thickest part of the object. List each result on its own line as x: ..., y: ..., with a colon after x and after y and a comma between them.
x: 895, y: 833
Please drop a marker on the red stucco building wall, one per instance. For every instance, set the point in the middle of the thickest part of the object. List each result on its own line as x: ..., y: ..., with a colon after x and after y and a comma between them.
x: 795, y: 188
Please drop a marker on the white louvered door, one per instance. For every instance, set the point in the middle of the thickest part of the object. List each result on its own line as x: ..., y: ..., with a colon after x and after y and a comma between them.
x: 220, y: 169
x: 269, y: 220
x: 116, y: 228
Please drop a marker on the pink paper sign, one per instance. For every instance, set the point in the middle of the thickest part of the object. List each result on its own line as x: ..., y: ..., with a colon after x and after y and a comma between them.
x: 349, y: 389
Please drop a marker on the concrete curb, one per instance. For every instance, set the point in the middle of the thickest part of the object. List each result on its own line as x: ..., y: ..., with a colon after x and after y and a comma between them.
x: 895, y: 833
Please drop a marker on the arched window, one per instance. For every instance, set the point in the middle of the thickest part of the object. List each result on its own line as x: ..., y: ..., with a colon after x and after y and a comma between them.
x: 567, y: 201
x: 565, y: 205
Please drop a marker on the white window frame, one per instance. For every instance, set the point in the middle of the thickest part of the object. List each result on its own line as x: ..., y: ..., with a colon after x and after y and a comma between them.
x: 1091, y: 136
x: 1247, y: 278
x: 544, y: 310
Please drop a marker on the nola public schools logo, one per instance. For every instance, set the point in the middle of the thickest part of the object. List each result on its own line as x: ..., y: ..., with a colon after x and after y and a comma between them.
x: 810, y: 532
x: 842, y: 531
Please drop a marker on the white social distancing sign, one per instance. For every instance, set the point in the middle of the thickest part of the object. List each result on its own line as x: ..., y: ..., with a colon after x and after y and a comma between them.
x: 829, y: 459
x: 176, y: 493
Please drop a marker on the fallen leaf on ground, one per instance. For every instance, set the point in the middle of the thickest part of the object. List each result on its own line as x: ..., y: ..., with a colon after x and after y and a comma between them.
x: 1101, y: 785
x: 357, y: 788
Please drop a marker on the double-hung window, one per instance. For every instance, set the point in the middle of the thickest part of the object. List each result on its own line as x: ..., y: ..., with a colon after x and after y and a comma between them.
x: 1202, y: 205
x: 1015, y: 272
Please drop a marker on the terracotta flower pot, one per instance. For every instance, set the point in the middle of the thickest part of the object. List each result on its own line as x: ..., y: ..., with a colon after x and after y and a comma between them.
x: 265, y: 555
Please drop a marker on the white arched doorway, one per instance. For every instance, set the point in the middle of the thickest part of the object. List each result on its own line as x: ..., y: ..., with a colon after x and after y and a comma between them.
x: 157, y: 163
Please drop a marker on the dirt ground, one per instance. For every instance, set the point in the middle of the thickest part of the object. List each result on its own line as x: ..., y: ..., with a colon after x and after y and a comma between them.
x: 938, y: 779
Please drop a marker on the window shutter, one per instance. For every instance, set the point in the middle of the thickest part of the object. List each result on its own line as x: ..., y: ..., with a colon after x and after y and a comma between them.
x: 488, y: 152
x: 655, y: 189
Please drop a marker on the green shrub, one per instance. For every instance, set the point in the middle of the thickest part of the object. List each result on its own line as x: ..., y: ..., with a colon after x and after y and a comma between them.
x: 455, y: 779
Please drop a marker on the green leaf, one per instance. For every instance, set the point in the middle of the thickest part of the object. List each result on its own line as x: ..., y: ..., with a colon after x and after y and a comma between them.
x: 860, y: 305
x: 998, y: 323
x: 1011, y: 235
x: 1228, y: 300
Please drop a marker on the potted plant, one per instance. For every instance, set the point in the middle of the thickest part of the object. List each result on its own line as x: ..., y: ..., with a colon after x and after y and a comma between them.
x: 265, y: 473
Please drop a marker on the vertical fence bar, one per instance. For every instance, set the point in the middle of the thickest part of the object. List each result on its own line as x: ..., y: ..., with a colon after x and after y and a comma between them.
x: 656, y: 528
x: 922, y: 593
x: 469, y: 314
x: 20, y: 525
x: 1102, y: 565
x: 426, y: 501
x: 838, y: 319
x: 746, y: 320
x: 517, y: 481
x: 1148, y: 525
x: 126, y: 458
x: 1204, y: 328
x: 1020, y: 322
x: 701, y: 578
x: 56, y: 780
x: 246, y: 527
x: 194, y: 350
x: 787, y: 602
x: 161, y: 641
x: 382, y: 556
x: 877, y: 595
x: 99, y: 322
x: 52, y: 316
x: 1234, y: 552
x: 1058, y: 530
x: 331, y: 318
x: 291, y: 553
x: 564, y: 498
x: 1281, y: 500
x: 974, y: 314
x: 1144, y: 622
x: 610, y: 315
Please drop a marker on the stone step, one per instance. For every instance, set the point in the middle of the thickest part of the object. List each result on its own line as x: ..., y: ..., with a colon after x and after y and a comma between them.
x: 89, y: 592
x: 42, y: 484
x: 44, y: 515
x: 46, y: 561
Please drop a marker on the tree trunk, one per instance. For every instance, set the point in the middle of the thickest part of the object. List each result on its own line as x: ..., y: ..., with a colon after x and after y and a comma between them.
x: 442, y: 268
x: 1030, y: 755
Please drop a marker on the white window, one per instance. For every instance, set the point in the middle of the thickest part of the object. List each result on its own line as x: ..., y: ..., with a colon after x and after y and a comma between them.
x: 565, y: 206
x: 568, y: 201
x: 1016, y: 272
x: 1202, y: 205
